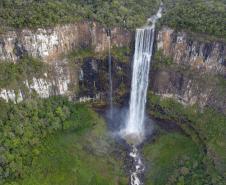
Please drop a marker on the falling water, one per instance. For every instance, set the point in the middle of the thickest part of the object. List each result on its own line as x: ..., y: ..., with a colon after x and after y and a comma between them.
x: 110, y: 75
x: 134, y: 131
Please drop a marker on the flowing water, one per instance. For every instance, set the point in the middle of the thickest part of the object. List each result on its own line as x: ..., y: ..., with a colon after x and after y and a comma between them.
x: 110, y: 76
x: 137, y: 172
x: 134, y: 131
x: 141, y: 65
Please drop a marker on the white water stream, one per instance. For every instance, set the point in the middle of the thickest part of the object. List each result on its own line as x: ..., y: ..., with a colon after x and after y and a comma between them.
x: 141, y: 65
x: 110, y: 76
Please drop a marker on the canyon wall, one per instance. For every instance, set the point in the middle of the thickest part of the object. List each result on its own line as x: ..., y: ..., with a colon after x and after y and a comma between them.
x: 197, y: 73
x: 51, y: 45
x: 82, y: 80
x: 56, y: 80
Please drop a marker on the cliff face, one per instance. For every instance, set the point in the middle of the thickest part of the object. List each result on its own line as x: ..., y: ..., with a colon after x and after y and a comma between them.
x: 195, y: 76
x: 207, y: 57
x: 197, y: 72
x: 50, y: 43
x: 55, y: 81
x: 83, y: 80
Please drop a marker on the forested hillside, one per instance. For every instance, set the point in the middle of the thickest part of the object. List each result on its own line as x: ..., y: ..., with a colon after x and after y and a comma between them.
x: 202, y: 16
x: 42, y: 13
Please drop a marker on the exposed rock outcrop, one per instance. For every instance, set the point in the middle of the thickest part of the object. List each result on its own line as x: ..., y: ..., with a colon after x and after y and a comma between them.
x: 49, y: 43
x: 197, y: 74
x: 94, y: 81
x: 56, y: 81
x: 83, y: 80
x: 185, y: 50
x: 193, y: 78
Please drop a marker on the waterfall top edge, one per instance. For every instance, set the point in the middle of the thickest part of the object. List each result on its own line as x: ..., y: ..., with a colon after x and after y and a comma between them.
x: 152, y: 20
x: 157, y: 16
x: 147, y: 27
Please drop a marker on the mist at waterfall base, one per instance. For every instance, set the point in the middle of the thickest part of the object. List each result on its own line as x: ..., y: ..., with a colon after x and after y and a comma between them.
x: 116, y: 119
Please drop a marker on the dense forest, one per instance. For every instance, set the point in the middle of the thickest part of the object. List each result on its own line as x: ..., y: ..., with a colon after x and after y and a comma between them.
x: 24, y: 126
x: 33, y: 14
x: 201, y: 16
x: 192, y: 15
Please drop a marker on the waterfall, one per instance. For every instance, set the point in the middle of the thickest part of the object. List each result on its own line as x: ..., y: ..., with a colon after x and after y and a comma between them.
x: 134, y: 131
x: 141, y: 65
x: 110, y: 75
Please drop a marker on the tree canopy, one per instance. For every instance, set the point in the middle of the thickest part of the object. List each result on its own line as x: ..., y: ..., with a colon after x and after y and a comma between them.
x: 42, y: 13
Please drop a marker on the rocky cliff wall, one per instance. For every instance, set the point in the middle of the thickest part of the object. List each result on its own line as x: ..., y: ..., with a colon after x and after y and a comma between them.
x: 197, y: 74
x: 48, y: 44
x: 80, y: 79
x: 56, y: 80
x: 62, y: 76
x: 206, y: 56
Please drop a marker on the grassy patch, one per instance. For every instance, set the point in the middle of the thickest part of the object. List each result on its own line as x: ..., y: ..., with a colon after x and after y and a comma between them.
x: 122, y: 54
x: 207, y: 128
x: 80, y: 54
x: 174, y: 159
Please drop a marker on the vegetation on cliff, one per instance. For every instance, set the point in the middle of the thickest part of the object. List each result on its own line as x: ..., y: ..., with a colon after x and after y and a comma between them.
x: 13, y: 76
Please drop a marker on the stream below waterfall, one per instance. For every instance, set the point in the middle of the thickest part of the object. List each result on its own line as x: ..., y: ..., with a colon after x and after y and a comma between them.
x: 139, y: 168
x: 134, y: 162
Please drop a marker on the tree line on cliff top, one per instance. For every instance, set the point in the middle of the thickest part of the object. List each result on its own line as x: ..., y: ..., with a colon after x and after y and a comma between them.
x: 44, y: 13
x: 202, y: 16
